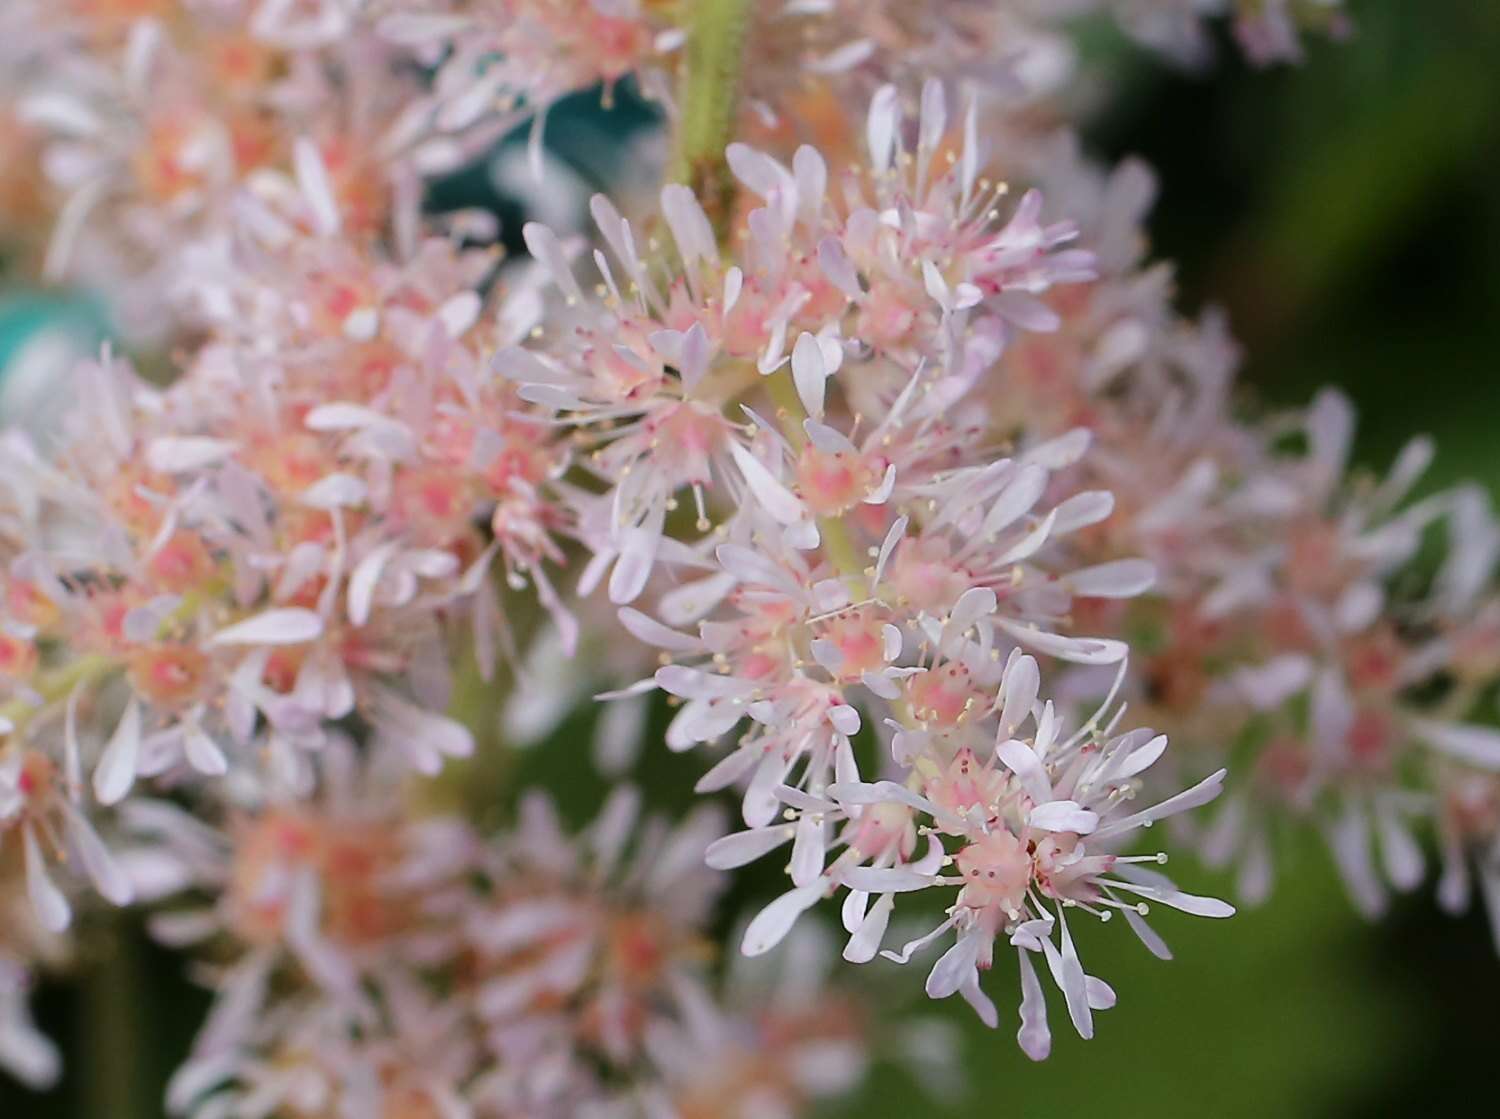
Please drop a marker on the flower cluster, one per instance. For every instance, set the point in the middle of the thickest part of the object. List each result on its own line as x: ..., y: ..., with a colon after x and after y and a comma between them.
x: 158, y: 121
x: 1299, y: 622
x: 292, y: 533
x: 890, y: 575
x: 842, y: 446
x: 569, y: 967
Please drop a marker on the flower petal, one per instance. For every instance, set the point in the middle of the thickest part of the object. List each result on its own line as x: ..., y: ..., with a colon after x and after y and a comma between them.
x: 770, y: 926
x: 290, y: 625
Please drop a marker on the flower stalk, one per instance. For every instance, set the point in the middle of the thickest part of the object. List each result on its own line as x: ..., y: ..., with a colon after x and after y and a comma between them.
x: 54, y: 685
x: 836, y: 541
x: 708, y: 101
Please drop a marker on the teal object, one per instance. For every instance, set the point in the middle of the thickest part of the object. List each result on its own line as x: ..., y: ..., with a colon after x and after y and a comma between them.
x: 23, y: 315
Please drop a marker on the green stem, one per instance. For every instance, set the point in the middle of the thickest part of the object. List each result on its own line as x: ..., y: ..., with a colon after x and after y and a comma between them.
x: 841, y: 550
x: 789, y: 411
x: 115, y: 1083
x: 838, y: 545
x: 472, y: 787
x: 708, y: 103
x: 55, y: 685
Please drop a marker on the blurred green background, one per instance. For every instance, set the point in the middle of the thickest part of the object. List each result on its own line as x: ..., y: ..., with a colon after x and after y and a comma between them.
x: 1346, y: 213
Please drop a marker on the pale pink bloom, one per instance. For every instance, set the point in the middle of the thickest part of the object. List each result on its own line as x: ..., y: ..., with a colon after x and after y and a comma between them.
x: 782, y: 1036
x: 160, y: 126
x: 929, y: 436
x: 43, y: 819
x: 273, y: 541
x: 1469, y: 836
x: 29, y: 951
x: 1018, y: 51
x: 321, y: 900
x: 1323, y: 651
x: 307, y: 1055
x: 855, y: 297
x: 514, y: 58
x: 25, y: 1052
x: 923, y: 628
x: 1268, y: 31
x: 587, y: 942
x: 1039, y: 818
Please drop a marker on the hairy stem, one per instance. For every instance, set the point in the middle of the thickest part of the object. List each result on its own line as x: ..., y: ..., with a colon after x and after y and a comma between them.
x: 708, y: 103
x: 708, y: 100
x: 709, y: 96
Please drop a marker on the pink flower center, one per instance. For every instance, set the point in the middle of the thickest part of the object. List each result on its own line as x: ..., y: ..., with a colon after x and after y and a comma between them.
x: 830, y: 483
x: 881, y: 827
x: 169, y: 676
x: 966, y: 784
x: 996, y: 871
x: 859, y: 640
x: 182, y: 563
x: 925, y: 576
x: 942, y: 695
x: 887, y: 317
x: 17, y: 658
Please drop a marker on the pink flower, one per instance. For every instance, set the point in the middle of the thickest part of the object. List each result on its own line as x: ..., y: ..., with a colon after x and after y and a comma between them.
x: 1036, y: 822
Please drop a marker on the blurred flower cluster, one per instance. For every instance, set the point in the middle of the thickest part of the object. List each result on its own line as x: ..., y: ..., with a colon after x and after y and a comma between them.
x: 872, y: 444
